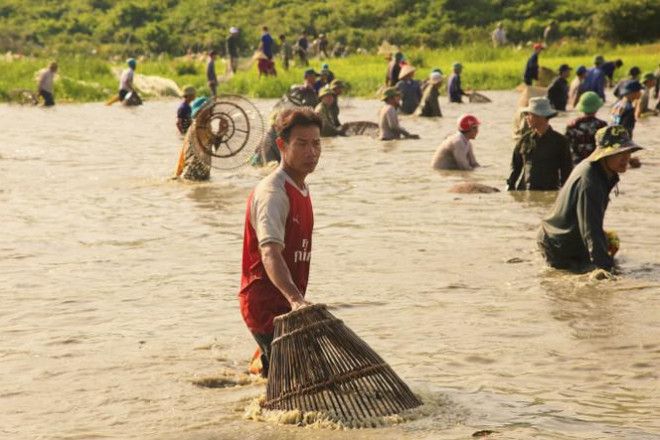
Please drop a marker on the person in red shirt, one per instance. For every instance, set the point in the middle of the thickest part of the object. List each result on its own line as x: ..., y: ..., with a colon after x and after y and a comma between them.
x: 277, y: 244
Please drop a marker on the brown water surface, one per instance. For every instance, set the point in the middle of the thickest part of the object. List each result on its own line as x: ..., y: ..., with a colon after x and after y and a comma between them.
x: 118, y: 286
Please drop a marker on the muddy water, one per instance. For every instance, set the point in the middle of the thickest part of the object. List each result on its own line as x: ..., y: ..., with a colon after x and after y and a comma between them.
x: 119, y: 315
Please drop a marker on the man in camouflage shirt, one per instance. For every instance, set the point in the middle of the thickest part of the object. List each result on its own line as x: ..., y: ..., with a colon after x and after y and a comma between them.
x: 581, y: 132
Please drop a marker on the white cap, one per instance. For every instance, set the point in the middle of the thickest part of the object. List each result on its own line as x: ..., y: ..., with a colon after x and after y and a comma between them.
x: 435, y: 76
x: 233, y: 30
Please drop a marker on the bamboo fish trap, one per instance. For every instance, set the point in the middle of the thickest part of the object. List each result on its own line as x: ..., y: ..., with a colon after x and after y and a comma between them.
x: 319, y: 364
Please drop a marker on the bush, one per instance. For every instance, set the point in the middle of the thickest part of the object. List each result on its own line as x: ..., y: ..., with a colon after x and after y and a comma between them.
x: 628, y: 21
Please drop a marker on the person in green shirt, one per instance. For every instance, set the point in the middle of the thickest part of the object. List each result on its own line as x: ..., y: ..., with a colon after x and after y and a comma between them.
x: 324, y: 110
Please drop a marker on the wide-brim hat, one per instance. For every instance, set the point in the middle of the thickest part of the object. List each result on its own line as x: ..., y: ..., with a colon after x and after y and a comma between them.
x: 389, y: 92
x: 337, y: 83
x: 406, y: 70
x: 612, y: 140
x: 589, y: 102
x: 323, y: 91
x: 540, y: 107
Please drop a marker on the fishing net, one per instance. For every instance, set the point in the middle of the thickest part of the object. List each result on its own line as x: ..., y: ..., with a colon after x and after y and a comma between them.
x: 23, y: 97
x: 319, y: 364
x: 228, y: 130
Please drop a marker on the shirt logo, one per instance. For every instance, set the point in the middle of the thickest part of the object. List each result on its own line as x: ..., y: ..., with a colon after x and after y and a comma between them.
x: 303, y: 255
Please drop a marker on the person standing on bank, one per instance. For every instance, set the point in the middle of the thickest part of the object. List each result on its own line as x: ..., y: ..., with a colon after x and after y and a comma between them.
x: 558, y: 89
x: 572, y: 236
x: 532, y: 67
x: 277, y: 244
x: 456, y: 152
x: 541, y: 158
x: 231, y: 45
x: 211, y: 77
x: 45, y: 87
x: 286, y: 52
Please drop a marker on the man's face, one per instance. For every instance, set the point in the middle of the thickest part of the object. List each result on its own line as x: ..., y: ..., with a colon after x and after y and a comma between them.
x: 566, y: 73
x: 310, y: 79
x: 338, y: 90
x: 303, y: 150
x: 474, y: 131
x: 536, y: 121
x: 635, y: 95
x: 618, y: 163
x: 395, y: 100
x: 328, y: 99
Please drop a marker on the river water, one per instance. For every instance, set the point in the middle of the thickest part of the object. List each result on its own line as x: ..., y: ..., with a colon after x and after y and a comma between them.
x: 120, y: 319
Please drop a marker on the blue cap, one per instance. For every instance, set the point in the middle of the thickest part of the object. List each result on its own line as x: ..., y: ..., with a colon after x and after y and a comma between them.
x: 580, y: 70
x: 324, y: 66
x: 564, y: 68
x: 630, y: 86
x: 310, y: 72
x: 197, y: 105
x: 131, y: 62
x: 634, y: 71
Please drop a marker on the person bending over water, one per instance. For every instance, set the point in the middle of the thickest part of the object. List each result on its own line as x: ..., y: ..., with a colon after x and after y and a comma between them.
x: 456, y: 153
x: 388, y: 121
x: 572, y: 236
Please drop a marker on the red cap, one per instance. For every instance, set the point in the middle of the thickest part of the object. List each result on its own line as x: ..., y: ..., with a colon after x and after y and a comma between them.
x: 466, y: 122
x: 538, y: 46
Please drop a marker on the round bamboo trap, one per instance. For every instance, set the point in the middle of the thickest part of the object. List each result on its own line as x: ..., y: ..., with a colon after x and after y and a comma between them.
x: 319, y: 364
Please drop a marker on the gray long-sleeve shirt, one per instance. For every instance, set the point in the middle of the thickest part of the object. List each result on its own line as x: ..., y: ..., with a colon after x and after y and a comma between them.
x: 573, y: 232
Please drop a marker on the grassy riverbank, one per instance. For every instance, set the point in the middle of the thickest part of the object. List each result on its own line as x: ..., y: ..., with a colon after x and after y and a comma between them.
x: 85, y: 79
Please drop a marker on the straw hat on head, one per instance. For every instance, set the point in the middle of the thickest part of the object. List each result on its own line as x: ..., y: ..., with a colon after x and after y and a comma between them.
x: 589, y: 102
x: 337, y: 83
x: 612, y: 140
x: 540, y: 107
x: 406, y: 70
x: 323, y: 91
x: 389, y: 93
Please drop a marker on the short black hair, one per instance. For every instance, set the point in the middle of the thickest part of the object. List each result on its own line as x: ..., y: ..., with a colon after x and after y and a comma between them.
x: 292, y: 117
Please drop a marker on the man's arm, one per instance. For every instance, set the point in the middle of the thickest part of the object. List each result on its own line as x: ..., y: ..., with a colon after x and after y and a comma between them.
x: 591, y: 213
x: 516, y: 168
x: 566, y: 162
x: 278, y: 272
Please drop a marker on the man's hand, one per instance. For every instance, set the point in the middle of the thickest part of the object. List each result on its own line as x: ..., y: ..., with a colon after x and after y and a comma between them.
x: 295, y: 305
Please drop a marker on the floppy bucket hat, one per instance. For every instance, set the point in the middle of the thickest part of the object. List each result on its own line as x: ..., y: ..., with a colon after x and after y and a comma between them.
x: 540, y: 107
x: 589, y: 102
x: 325, y: 91
x: 612, y: 140
x: 390, y: 92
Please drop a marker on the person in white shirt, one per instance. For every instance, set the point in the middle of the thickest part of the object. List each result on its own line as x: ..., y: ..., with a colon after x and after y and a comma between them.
x: 499, y: 36
x: 126, y: 80
x: 46, y: 84
x: 455, y: 152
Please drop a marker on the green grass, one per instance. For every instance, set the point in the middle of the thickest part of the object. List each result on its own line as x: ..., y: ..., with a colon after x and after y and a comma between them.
x: 87, y: 78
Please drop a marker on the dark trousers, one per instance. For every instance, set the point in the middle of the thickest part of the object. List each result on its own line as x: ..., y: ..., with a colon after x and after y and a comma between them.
x: 48, y: 98
x: 122, y: 94
x: 264, y: 342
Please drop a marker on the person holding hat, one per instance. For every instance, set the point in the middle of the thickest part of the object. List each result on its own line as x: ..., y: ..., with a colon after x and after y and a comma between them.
x: 388, y: 120
x: 393, y: 70
x: 581, y: 132
x: 324, y: 110
x: 456, y: 152
x: 595, y: 79
x: 337, y: 87
x: 306, y: 92
x: 541, y: 158
x: 184, y: 112
x: 430, y: 105
x: 454, y: 88
x: 623, y: 111
x: 126, y: 79
x: 211, y: 77
x: 532, y: 66
x: 231, y: 45
x: 642, y: 108
x: 572, y: 235
x: 558, y: 89
x: 633, y: 73
x: 45, y: 87
x: 575, y: 89
x: 411, y: 90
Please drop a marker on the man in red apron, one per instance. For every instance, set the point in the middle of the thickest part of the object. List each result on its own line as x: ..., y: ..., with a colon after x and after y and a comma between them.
x: 277, y: 243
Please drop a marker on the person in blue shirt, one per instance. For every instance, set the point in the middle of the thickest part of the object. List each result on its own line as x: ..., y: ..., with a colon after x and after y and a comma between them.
x: 595, y: 79
x: 609, y: 67
x: 211, y: 77
x: 266, y: 45
x: 454, y: 89
x: 623, y: 111
x: 532, y: 66
x: 184, y: 111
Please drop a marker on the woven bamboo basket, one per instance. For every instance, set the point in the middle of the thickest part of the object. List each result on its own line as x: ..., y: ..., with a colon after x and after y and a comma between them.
x: 319, y: 364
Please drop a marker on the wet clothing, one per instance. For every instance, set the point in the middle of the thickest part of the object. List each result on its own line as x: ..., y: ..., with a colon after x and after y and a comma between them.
x: 393, y: 71
x: 572, y: 235
x: 388, y: 124
x: 531, y: 69
x: 558, y: 93
x: 455, y: 153
x: 644, y: 100
x: 267, y: 45
x: 454, y: 88
x: 411, y: 95
x: 575, y: 91
x: 429, y: 106
x: 190, y: 166
x: 541, y: 163
x: 595, y: 82
x: 277, y: 212
x: 45, y: 87
x: 328, y: 129
x: 623, y: 113
x: 184, y: 112
x: 335, y: 111
x: 581, y: 135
